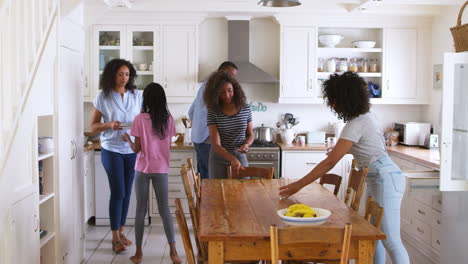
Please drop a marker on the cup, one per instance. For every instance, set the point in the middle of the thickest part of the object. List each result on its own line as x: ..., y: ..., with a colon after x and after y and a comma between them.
x: 142, y: 67
x: 300, y: 140
x: 331, y: 142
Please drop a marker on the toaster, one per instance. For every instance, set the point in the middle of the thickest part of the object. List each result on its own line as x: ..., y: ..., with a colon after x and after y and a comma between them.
x: 431, y: 141
x: 412, y: 133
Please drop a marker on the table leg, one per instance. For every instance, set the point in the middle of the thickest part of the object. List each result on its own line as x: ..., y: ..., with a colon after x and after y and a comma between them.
x: 215, y: 252
x: 365, y: 252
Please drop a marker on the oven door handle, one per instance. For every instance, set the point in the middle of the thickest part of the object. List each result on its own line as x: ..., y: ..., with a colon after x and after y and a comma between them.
x: 261, y: 163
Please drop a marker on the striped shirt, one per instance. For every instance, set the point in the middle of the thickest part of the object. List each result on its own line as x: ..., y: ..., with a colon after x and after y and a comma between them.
x: 231, y: 129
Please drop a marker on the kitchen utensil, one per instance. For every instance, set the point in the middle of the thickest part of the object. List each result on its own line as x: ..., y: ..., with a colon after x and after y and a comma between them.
x: 364, y: 44
x: 330, y: 41
x: 264, y: 134
x: 187, y: 136
x: 322, y: 216
x: 186, y: 122
x: 287, y: 135
x: 143, y: 66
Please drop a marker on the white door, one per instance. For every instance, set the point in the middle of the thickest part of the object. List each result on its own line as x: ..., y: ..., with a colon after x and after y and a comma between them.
x: 25, y: 227
x: 453, y: 167
x: 400, y: 49
x: 70, y: 133
x: 297, y: 62
x: 178, y: 61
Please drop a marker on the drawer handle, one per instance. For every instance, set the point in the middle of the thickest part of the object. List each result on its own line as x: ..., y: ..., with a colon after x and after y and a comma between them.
x: 311, y: 163
x: 439, y: 201
x: 176, y: 159
x: 174, y: 190
x: 420, y: 230
x: 438, y: 242
x: 438, y: 222
x: 421, y: 212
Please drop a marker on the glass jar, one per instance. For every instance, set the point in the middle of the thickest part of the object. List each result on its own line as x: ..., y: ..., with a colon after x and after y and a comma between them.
x: 363, y: 65
x: 320, y: 65
x: 331, y: 65
x: 342, y: 65
x: 373, y: 67
x: 353, y: 67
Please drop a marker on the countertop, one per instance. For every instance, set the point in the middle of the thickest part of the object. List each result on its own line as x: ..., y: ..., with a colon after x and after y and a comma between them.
x: 313, y: 147
x: 426, y: 157
x: 174, y: 146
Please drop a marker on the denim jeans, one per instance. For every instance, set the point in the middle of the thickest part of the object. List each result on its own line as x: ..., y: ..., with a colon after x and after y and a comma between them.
x: 203, y: 154
x: 386, y: 183
x: 218, y: 165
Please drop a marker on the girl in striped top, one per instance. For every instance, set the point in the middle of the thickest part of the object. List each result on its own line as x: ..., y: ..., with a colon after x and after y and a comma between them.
x: 230, y: 124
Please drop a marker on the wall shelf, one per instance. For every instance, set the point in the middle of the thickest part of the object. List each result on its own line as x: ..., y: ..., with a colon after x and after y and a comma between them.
x: 145, y: 72
x: 362, y: 74
x: 47, y: 238
x: 109, y: 47
x: 45, y: 156
x: 143, y: 47
x: 45, y: 197
x: 351, y: 50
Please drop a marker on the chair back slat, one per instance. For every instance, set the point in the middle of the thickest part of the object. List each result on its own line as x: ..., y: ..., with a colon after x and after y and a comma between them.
x: 184, y: 232
x: 356, y: 183
x: 255, y: 172
x: 332, y: 179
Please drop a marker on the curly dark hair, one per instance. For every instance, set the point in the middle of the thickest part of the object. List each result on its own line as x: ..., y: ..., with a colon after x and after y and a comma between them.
x: 347, y: 95
x: 213, y: 89
x: 155, y: 104
x: 107, y: 81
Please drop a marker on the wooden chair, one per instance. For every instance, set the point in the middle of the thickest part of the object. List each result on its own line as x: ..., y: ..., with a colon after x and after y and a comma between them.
x: 374, y: 214
x: 196, y: 179
x: 356, y: 182
x: 256, y: 172
x: 332, y: 179
x: 184, y: 232
x: 194, y: 215
x: 300, y: 235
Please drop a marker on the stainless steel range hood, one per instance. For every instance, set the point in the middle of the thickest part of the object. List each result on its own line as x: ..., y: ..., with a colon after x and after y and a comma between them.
x: 238, y: 52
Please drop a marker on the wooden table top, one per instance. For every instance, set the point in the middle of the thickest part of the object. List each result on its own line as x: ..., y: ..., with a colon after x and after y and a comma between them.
x: 245, y: 209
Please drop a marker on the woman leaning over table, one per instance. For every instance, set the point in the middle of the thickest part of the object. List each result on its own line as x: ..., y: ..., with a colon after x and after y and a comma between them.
x: 229, y: 122
x: 118, y: 102
x: 362, y: 136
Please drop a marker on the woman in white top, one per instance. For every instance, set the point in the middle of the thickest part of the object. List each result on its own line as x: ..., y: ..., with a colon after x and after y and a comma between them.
x: 118, y: 102
x: 347, y: 95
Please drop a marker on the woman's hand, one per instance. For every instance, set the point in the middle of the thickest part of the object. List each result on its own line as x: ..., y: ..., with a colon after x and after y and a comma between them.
x: 244, y: 148
x: 114, y: 125
x: 236, y: 165
x: 290, y: 189
x: 126, y: 138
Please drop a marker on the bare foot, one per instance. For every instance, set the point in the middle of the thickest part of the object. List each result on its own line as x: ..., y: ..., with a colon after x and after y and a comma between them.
x: 175, y: 259
x: 136, y: 259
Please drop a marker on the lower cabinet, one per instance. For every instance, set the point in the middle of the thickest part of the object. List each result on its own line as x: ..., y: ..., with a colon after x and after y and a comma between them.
x: 296, y: 164
x: 176, y: 187
x: 421, y: 212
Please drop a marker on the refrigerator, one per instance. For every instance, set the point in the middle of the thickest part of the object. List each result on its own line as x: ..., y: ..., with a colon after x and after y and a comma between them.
x: 454, y: 159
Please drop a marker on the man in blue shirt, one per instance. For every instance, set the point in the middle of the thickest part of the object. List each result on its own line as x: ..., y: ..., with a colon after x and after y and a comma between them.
x: 198, y: 113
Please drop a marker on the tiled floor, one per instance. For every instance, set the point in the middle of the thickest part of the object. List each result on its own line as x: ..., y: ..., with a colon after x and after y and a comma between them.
x: 155, y: 247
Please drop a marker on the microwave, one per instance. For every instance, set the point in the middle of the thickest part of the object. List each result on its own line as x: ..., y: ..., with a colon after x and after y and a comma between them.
x: 412, y: 133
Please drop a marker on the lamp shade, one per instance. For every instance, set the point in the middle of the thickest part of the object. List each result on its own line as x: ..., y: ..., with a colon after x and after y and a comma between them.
x: 279, y: 3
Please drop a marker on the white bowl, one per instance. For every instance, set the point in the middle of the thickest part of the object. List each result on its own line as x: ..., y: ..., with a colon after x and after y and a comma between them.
x: 330, y: 41
x: 322, y: 216
x: 364, y: 44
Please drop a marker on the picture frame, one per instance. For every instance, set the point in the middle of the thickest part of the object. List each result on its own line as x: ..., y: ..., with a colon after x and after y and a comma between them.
x: 437, y: 77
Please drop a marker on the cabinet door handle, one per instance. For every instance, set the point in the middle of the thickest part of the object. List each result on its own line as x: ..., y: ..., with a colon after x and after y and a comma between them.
x: 438, y: 242
x: 439, y: 201
x: 438, y: 222
x: 421, y: 212
x: 36, y: 223
x: 73, y: 149
x: 176, y: 159
x: 420, y: 230
x: 388, y: 85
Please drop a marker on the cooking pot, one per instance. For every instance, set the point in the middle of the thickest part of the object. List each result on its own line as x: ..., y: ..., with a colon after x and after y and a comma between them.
x: 264, y: 134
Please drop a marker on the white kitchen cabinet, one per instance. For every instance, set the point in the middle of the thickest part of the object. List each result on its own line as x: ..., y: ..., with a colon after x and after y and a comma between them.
x: 88, y: 167
x: 176, y: 187
x: 296, y: 164
x: 166, y: 54
x: 400, y: 68
x: 297, y: 75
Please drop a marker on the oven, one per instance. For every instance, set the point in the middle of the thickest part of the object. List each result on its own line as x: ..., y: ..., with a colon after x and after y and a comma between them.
x: 265, y: 156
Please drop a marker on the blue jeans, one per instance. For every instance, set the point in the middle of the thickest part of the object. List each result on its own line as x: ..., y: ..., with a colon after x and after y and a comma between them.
x: 203, y: 154
x: 386, y: 183
x: 120, y: 170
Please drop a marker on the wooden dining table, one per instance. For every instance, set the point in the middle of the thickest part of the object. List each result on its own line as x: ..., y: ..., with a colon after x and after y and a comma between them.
x: 235, y: 219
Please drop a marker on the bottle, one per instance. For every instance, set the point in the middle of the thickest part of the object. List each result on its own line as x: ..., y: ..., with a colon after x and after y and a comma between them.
x: 331, y: 65
x: 320, y: 65
x: 373, y: 65
x: 353, y: 65
x: 363, y: 67
x: 342, y: 65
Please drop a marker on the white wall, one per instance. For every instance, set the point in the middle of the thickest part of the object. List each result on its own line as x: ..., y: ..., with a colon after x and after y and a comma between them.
x: 442, y: 42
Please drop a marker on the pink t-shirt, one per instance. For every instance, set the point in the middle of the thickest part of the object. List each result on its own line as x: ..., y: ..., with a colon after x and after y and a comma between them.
x: 154, y: 154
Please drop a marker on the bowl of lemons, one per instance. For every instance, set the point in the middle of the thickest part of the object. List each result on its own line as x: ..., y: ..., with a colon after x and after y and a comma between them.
x: 301, y: 214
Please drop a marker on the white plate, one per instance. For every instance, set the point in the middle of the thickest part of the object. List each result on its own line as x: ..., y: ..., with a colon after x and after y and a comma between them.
x: 322, y: 216
x: 126, y: 125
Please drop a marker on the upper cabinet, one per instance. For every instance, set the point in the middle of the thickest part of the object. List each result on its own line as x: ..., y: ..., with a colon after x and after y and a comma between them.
x: 297, y: 57
x: 393, y: 62
x: 165, y: 54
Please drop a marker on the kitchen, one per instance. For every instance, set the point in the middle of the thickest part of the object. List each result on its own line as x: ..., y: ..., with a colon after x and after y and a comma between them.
x: 410, y: 40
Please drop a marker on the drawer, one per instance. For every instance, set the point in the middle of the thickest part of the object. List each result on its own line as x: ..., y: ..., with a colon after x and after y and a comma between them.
x: 436, y: 219
x: 424, y: 198
x: 176, y: 190
x: 437, y: 202
x: 421, y: 230
x: 175, y: 179
x: 179, y: 158
x: 298, y: 164
x: 421, y: 211
x: 435, y: 239
x: 174, y: 171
